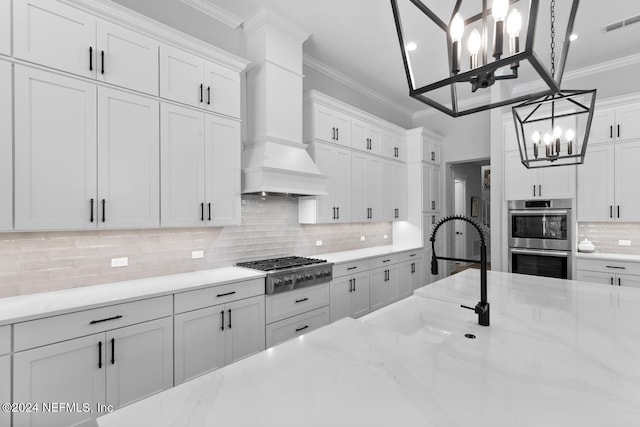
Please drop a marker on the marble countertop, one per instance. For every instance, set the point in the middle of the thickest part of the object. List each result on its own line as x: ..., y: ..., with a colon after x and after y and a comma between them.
x: 32, y: 306
x: 358, y: 254
x: 608, y: 256
x: 557, y: 353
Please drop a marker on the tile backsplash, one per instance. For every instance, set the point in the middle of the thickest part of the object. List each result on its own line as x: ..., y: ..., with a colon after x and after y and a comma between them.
x: 41, y: 261
x: 605, y: 236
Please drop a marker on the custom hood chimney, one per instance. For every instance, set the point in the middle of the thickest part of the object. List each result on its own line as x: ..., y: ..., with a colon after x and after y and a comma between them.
x: 274, y: 159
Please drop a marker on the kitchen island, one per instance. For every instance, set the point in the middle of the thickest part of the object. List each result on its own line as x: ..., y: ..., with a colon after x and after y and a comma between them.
x: 557, y: 353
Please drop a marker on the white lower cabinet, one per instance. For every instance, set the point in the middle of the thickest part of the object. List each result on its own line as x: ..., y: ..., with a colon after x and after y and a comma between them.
x: 5, y: 388
x: 6, y: 142
x: 212, y: 337
x: 350, y: 296
x: 385, y: 286
x: 116, y: 368
x: 410, y: 276
x: 609, y: 272
x: 284, y: 330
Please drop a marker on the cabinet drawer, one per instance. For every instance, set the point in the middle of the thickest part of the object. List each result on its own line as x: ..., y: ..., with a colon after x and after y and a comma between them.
x: 207, y: 297
x: 346, y: 268
x: 608, y: 266
x: 49, y: 330
x: 287, y: 329
x: 384, y: 260
x: 292, y: 303
x: 410, y: 256
x: 5, y: 339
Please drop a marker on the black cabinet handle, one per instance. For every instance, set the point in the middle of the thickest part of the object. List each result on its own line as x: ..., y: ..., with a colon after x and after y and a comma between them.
x: 352, y: 268
x: 433, y: 219
x: 91, y: 204
x: 208, y: 95
x: 616, y: 267
x: 302, y: 300
x: 611, y: 280
x: 202, y: 211
x: 99, y: 354
x: 338, y: 212
x: 113, y: 351
x: 333, y: 133
x: 619, y: 282
x: 337, y: 134
x: 104, y: 210
x: 618, y: 211
x: 354, y: 285
x: 302, y: 328
x: 93, y: 322
x: 225, y: 294
x: 534, y: 191
x: 201, y: 92
x: 413, y: 267
x: 386, y: 260
x: 222, y: 323
x: 611, y: 131
x: 618, y: 131
x: 433, y: 156
x: 334, y: 212
x: 540, y: 190
x: 229, y: 319
x: 102, y: 61
x: 610, y: 211
x: 433, y: 204
x: 350, y: 285
x: 90, y: 58
x: 209, y: 211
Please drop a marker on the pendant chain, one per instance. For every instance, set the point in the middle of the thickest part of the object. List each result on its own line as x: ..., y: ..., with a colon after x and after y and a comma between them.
x: 553, y: 38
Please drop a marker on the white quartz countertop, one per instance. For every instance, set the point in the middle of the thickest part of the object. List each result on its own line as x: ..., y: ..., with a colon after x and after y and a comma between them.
x: 557, y: 353
x: 357, y: 254
x: 608, y: 256
x: 27, y: 307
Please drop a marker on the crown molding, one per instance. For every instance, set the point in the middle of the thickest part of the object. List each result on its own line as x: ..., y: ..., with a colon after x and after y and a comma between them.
x: 266, y: 16
x: 216, y: 12
x: 353, y: 84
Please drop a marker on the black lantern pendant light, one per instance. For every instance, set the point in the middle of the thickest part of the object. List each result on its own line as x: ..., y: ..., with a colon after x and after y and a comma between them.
x: 501, y: 44
x: 553, y: 129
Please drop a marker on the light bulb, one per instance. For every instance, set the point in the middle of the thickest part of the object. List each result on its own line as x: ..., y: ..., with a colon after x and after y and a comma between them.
x: 411, y: 46
x: 535, y: 137
x: 457, y: 27
x: 570, y: 134
x: 557, y: 132
x: 514, y: 23
x: 546, y: 138
x: 474, y: 42
x: 499, y: 9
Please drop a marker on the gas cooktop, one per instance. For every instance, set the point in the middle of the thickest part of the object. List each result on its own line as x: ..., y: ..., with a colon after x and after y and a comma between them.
x: 280, y: 263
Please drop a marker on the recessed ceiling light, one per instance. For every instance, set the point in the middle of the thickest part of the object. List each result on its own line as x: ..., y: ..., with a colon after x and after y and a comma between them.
x: 411, y: 46
x: 573, y: 37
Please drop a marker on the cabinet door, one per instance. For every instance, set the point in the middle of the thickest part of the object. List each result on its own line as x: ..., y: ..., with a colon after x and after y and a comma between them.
x: 431, y: 188
x: 361, y: 295
x: 340, y: 292
x: 627, y: 176
x: 5, y: 28
x: 405, y: 284
x: 602, y: 125
x: 341, y: 183
x: 323, y: 124
x: 378, y: 283
x: 387, y: 190
x: 6, y: 143
x: 375, y: 185
x: 557, y: 183
x: 359, y: 135
x: 181, y: 77
x: 393, y: 284
x: 417, y: 277
x: 222, y: 91
x: 343, y: 129
x: 245, y: 328
x: 323, y: 156
x: 628, y: 122
x: 5, y: 387
x: 596, y: 184
x: 50, y: 33
x: 126, y: 58
x: 400, y: 192
x: 520, y: 182
x: 128, y: 160
x: 629, y: 280
x: 510, y: 136
x: 222, y: 170
x: 55, y: 151
x: 139, y: 361
x: 199, y: 342
x: 70, y: 371
x: 359, y: 188
x: 595, y: 277
x: 181, y: 167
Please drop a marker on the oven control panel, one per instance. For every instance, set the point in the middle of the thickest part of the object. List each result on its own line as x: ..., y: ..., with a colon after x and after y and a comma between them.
x: 287, y: 280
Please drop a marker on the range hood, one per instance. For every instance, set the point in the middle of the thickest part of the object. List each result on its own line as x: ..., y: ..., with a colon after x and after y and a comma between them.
x: 274, y: 159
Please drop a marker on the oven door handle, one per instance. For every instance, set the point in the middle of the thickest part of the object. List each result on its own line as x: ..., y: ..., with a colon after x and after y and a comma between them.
x: 540, y: 252
x: 538, y: 212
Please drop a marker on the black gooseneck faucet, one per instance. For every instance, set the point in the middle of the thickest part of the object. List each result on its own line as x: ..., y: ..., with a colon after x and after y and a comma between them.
x: 482, y: 308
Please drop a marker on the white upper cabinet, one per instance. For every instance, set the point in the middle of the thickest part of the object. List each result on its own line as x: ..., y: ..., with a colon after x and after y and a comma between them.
x: 431, y: 200
x: 400, y: 202
x: 547, y: 183
x: 365, y: 137
x: 128, y: 160
x: 6, y: 148
x: 326, y: 124
x: 62, y: 37
x: 596, y: 188
x: 394, y: 147
x: 55, y: 151
x: 627, y: 177
x: 366, y: 179
x: 5, y: 27
x: 610, y: 124
x: 191, y: 80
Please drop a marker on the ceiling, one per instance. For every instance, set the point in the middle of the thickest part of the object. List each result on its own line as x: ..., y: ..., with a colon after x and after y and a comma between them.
x: 357, y: 38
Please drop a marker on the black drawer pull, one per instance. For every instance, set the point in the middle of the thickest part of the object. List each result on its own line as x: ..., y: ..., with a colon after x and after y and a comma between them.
x: 225, y: 294
x: 302, y: 300
x: 99, y: 354
x: 352, y: 268
x: 90, y: 58
x: 386, y: 260
x: 208, y: 95
x: 202, y: 211
x: 302, y: 328
x: 93, y: 322
x: 618, y: 211
x: 104, y: 210
x: 619, y: 284
x: 201, y: 92
x: 102, y: 61
x: 113, y: 351
x: 222, y: 325
x: 229, y: 319
x: 615, y: 266
x: 413, y: 255
x: 209, y: 211
x: 91, y: 204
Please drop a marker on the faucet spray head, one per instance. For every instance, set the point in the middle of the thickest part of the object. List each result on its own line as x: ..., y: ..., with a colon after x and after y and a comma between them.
x: 434, y: 265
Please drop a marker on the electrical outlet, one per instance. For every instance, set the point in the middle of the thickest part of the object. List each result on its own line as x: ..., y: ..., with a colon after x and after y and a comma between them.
x: 318, y: 242
x: 119, y: 262
x: 385, y: 237
x: 197, y: 254
x: 624, y: 242
x: 362, y: 238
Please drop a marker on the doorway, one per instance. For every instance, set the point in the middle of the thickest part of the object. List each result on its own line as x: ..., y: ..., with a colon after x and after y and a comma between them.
x: 460, y: 208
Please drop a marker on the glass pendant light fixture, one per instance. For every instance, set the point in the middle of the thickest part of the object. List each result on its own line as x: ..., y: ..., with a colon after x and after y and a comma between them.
x: 501, y: 43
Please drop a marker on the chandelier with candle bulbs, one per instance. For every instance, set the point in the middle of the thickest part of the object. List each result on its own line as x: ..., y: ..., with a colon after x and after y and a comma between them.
x: 500, y: 41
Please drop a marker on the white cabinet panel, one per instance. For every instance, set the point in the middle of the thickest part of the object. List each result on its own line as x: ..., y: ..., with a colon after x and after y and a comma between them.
x: 296, y: 326
x: 431, y: 188
x: 620, y: 123
x: 365, y: 137
x: 330, y: 126
x: 128, y: 160
x: 602, y: 125
x: 384, y: 286
x: 5, y: 27
x: 350, y: 296
x: 627, y: 177
x: 596, y: 188
x: 628, y: 122
x: 548, y: 183
x: 557, y: 183
x: 55, y: 151
x: 126, y: 58
x: 245, y: 328
x: 519, y: 182
x: 5, y: 388
x: 222, y: 91
x: 629, y: 280
x: 400, y: 202
x: 6, y: 144
x: 53, y: 34
x: 181, y: 76
x: 595, y: 277
x: 374, y: 188
x: 366, y: 181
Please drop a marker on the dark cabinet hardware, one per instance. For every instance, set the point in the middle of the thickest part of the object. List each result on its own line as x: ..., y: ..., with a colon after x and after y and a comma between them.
x: 91, y: 205
x: 99, y: 354
x: 201, y: 92
x: 413, y: 267
x: 90, y: 58
x: 618, y: 267
x: 395, y: 151
x: 302, y: 328
x: 534, y: 191
x: 209, y: 204
x: 397, y: 213
x: 338, y: 212
x: 229, y: 319
x: 208, y: 95
x: 222, y: 323
x: 302, y: 300
x: 618, y: 211
x: 333, y: 133
x: 433, y: 156
x: 104, y: 209
x: 202, y: 211
x: 350, y: 285
x: 619, y: 282
x: 225, y: 294
x: 386, y: 260
x: 337, y: 134
x: 611, y: 280
x: 102, y: 61
x: 433, y: 204
x: 618, y: 131
x: 93, y: 322
x: 610, y: 211
x: 611, y: 131
x: 352, y: 268
x: 113, y: 351
x: 354, y: 285
x: 433, y: 219
x: 412, y: 255
x: 334, y: 212
x: 540, y: 190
